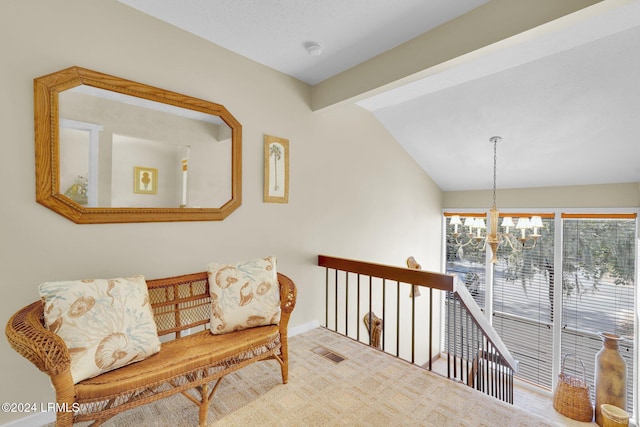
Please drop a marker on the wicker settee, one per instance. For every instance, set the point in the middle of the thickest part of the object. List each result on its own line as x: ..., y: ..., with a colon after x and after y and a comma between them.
x: 191, y: 363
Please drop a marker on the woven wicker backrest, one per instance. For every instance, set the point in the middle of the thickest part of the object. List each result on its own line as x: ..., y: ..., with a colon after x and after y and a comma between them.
x: 180, y: 303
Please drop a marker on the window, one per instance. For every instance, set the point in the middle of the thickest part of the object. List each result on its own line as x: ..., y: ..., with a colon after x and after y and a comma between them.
x: 598, y: 284
x: 466, y: 258
x: 594, y: 274
x: 523, y: 290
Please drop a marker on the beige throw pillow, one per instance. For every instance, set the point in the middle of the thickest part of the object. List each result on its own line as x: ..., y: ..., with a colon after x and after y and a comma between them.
x: 244, y: 295
x: 105, y: 323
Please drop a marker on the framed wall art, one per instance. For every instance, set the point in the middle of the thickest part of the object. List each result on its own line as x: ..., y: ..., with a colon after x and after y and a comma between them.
x: 145, y: 180
x: 276, y: 169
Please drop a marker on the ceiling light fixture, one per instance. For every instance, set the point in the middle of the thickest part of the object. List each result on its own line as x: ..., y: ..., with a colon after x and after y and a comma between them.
x: 313, y: 48
x: 493, y: 238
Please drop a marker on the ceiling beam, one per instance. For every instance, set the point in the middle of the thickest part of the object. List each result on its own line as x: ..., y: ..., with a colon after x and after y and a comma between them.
x: 493, y: 22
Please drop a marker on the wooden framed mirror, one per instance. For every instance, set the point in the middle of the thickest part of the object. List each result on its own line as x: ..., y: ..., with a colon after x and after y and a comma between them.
x: 111, y: 150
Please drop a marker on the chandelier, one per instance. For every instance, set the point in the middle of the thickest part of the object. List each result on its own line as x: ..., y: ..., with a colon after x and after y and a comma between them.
x: 528, y: 227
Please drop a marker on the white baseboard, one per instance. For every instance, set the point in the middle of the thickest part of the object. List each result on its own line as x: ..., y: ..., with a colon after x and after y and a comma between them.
x: 37, y: 419
x: 300, y: 329
x: 43, y: 418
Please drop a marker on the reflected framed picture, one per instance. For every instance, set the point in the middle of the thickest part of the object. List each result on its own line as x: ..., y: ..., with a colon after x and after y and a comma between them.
x: 276, y: 169
x: 145, y: 180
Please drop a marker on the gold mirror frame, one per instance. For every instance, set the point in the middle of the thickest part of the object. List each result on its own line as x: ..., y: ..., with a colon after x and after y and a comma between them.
x: 47, y: 147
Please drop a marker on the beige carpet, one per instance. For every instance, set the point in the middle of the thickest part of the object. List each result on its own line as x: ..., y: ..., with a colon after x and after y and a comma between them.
x: 369, y: 388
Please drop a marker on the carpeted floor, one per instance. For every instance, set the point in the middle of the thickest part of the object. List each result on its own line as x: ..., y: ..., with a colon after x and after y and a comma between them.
x: 369, y: 388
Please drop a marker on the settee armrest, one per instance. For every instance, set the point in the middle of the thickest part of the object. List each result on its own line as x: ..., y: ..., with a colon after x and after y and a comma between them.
x: 28, y: 336
x: 288, y: 294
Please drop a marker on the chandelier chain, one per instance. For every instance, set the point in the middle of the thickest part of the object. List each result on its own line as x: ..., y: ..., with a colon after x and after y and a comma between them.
x: 495, y: 160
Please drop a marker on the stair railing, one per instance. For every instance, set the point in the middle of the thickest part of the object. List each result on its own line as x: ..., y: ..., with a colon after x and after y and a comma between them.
x: 445, y: 326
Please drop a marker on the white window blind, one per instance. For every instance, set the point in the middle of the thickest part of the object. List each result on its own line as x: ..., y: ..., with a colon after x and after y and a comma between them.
x: 598, y: 281
x: 523, y: 287
x: 465, y: 257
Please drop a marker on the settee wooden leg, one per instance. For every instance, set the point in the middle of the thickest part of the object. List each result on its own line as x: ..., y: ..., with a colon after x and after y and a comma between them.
x: 204, y: 405
x: 64, y: 419
x: 285, y: 371
x: 65, y: 397
x: 284, y: 359
x: 284, y: 367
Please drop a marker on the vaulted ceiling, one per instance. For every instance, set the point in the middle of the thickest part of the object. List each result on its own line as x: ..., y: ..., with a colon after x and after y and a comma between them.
x: 564, y: 96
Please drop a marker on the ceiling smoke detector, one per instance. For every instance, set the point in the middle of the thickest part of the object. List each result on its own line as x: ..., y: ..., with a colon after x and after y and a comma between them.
x: 313, y: 48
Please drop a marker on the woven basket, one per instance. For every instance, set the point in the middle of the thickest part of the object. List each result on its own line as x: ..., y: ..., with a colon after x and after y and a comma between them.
x: 571, y: 397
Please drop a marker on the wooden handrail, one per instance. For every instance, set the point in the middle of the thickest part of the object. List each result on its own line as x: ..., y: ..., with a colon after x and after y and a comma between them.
x: 443, y: 282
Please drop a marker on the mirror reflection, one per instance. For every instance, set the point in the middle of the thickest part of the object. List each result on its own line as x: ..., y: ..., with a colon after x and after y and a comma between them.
x: 120, y: 151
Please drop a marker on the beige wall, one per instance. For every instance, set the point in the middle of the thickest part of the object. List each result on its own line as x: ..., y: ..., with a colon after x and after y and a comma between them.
x: 603, y: 196
x: 354, y: 191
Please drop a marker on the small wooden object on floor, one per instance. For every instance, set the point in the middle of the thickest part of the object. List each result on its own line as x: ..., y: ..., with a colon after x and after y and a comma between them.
x: 374, y: 326
x: 612, y: 416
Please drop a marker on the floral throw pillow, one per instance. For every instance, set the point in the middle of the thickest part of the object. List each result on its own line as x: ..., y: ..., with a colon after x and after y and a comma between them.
x: 105, y: 323
x: 244, y: 295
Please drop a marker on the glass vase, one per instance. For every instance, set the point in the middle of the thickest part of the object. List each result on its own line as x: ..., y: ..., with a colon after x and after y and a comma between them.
x: 610, y: 375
